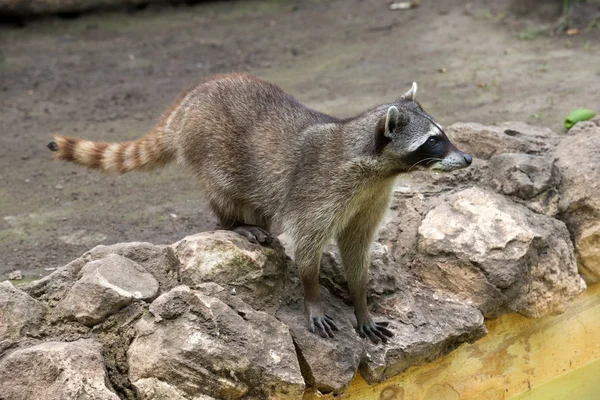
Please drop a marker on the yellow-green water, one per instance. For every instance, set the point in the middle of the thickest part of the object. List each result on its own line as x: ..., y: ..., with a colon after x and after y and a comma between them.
x: 582, y: 383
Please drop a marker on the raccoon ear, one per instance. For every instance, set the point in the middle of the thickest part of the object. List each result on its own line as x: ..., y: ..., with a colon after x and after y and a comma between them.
x: 411, y: 94
x: 393, y: 120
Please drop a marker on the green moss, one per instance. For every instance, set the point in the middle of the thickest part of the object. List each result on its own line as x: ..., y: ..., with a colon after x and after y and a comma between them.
x: 22, y: 282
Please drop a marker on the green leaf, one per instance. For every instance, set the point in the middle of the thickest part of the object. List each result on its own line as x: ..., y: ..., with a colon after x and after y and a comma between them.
x: 581, y: 114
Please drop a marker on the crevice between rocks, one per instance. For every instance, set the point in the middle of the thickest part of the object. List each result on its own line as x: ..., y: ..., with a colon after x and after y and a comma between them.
x: 304, y: 367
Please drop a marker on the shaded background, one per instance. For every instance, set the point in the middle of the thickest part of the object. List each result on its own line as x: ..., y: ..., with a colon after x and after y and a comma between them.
x: 109, y: 75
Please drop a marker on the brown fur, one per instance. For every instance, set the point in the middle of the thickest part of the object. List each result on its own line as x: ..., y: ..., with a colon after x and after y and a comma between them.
x: 260, y: 155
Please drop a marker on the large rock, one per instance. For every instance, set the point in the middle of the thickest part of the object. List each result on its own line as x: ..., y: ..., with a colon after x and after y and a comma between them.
x: 20, y: 314
x: 106, y: 286
x: 200, y: 345
x: 258, y: 274
x: 55, y: 371
x: 155, y: 389
x: 534, y: 179
x: 484, y: 141
x: 426, y: 325
x: 578, y: 159
x: 160, y: 261
x: 425, y: 328
x: 526, y: 256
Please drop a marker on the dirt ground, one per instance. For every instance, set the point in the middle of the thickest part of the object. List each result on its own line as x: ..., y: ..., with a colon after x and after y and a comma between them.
x: 108, y: 76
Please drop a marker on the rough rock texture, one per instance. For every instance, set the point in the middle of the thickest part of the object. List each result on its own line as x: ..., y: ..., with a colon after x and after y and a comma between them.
x: 160, y: 261
x: 200, y: 345
x: 483, y: 141
x: 534, y: 179
x: 20, y: 314
x: 155, y: 389
x: 35, y: 7
x: 229, y: 322
x: 259, y: 275
x: 55, y: 371
x: 106, y: 285
x: 578, y: 159
x: 527, y: 257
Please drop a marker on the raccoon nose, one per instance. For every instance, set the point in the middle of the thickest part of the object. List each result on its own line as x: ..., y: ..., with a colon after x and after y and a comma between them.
x: 468, y: 159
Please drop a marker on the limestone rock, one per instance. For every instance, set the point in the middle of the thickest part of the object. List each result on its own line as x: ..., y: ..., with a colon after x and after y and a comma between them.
x: 528, y: 257
x: 155, y: 389
x: 426, y: 325
x: 55, y: 371
x: 160, y: 261
x: 483, y: 141
x: 259, y: 274
x: 20, y: 314
x: 531, y: 178
x: 106, y: 286
x: 201, y: 346
x: 15, y: 275
x: 328, y: 365
x: 579, y: 165
x: 54, y: 287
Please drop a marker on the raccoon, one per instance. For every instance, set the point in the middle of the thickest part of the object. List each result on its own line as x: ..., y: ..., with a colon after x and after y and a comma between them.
x: 261, y: 156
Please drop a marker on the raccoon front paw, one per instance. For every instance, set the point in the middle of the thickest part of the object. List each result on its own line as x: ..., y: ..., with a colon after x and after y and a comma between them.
x: 376, y: 331
x: 322, y: 324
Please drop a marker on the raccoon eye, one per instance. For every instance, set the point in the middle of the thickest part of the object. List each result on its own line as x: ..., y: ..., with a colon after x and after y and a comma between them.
x: 432, y: 141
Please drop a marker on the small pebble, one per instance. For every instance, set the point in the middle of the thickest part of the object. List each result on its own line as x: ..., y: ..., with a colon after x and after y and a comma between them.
x: 16, y: 275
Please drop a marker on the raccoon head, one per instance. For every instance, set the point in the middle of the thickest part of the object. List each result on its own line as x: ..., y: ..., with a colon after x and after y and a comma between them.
x: 410, y: 138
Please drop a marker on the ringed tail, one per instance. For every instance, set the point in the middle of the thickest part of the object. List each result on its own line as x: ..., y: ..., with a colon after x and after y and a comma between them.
x: 146, y: 153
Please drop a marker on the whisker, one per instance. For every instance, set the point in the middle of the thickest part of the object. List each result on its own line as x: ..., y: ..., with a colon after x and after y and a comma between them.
x: 424, y: 160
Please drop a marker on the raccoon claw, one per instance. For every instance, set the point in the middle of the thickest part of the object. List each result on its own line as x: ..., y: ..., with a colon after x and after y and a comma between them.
x: 323, y: 324
x: 255, y: 234
x: 375, y: 331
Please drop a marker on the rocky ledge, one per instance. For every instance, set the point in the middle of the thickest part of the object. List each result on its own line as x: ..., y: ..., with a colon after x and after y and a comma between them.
x: 216, y: 317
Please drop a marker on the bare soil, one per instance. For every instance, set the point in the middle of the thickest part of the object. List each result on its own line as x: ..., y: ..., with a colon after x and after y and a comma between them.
x: 109, y: 76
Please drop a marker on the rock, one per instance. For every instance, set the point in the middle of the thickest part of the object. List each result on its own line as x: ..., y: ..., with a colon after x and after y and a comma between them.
x: 327, y: 365
x: 483, y: 141
x: 425, y: 328
x: 158, y: 260
x: 578, y: 159
x: 154, y: 389
x: 381, y: 282
x: 106, y: 286
x: 20, y: 314
x: 53, y: 287
x: 258, y: 274
x: 55, y: 371
x: 527, y: 177
x: 528, y: 257
x: 426, y: 325
x: 200, y: 345
x: 16, y: 275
